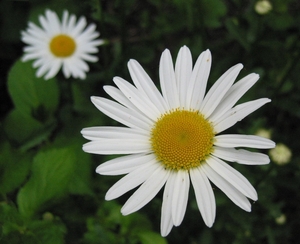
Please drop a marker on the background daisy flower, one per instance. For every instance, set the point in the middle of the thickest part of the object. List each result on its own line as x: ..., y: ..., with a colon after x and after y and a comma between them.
x: 281, y: 154
x: 173, y: 138
x: 67, y: 44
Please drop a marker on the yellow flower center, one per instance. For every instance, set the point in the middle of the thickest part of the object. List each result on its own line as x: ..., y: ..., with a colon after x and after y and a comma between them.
x: 182, y: 139
x: 62, y: 46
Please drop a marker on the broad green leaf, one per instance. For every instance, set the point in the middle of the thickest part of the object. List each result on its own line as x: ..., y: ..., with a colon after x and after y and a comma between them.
x: 81, y: 102
x: 46, y: 232
x: 14, y: 168
x: 31, y: 95
x: 11, y: 223
x: 16, y: 230
x: 25, y: 131
x: 213, y: 11
x: 149, y: 237
x: 80, y: 182
x: 109, y: 226
x: 51, y: 173
x: 10, y: 218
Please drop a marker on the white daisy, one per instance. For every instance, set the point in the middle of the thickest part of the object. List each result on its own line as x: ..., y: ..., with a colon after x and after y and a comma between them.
x: 65, y: 44
x: 172, y: 140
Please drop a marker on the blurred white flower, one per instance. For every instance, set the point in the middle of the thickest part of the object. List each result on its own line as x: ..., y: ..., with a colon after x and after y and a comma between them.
x: 61, y: 44
x: 264, y: 133
x: 172, y: 140
x: 281, y: 219
x: 263, y: 7
x: 281, y: 154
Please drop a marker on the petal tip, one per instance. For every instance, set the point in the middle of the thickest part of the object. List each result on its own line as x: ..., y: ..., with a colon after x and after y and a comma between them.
x: 240, y: 66
x: 82, y: 131
x: 98, y: 169
x: 124, y: 212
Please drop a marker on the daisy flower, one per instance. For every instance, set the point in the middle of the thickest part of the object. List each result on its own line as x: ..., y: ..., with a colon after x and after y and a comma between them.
x: 172, y: 139
x: 67, y: 44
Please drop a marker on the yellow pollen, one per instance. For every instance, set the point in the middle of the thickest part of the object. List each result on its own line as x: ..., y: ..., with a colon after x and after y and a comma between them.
x: 62, y: 46
x: 182, y: 139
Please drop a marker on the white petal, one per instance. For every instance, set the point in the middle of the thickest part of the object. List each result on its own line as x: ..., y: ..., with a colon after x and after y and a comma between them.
x: 56, y: 65
x: 198, y: 81
x: 82, y: 65
x: 237, y: 197
x: 54, y: 26
x: 166, y: 208
x: 43, y: 69
x: 88, y: 57
x: 233, y: 95
x: 33, y: 55
x: 85, y: 48
x: 243, y: 141
x: 34, y: 31
x: 180, y: 196
x: 40, y: 61
x: 31, y: 49
x: 45, y: 24
x: 137, y: 98
x: 234, y: 177
x: 121, y: 114
x: 64, y: 21
x: 146, y: 192
x: 204, y: 195
x: 113, y: 132
x: 124, y: 164
x: 89, y: 34
x: 237, y: 113
x: 168, y: 80
x: 144, y: 84
x: 77, y: 67
x: 117, y: 146
x: 131, y: 180
x: 35, y: 41
x: 66, y: 68
x: 219, y: 89
x: 79, y: 27
x: 183, y: 71
x: 241, y: 156
x: 116, y: 94
x: 71, y: 24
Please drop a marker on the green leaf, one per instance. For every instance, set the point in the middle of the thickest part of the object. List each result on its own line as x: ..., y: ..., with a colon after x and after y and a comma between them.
x: 46, y: 232
x: 11, y: 223
x: 80, y: 182
x: 31, y: 95
x: 16, y: 230
x: 14, y: 168
x: 51, y: 173
x: 25, y: 131
x: 149, y: 237
x: 213, y: 10
x: 10, y: 218
x: 109, y: 226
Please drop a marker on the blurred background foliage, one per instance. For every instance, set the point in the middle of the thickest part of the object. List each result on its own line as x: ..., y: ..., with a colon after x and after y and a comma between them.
x: 49, y: 190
